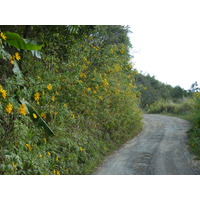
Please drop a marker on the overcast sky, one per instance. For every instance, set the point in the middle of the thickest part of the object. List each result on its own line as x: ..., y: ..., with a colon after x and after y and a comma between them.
x: 166, y: 35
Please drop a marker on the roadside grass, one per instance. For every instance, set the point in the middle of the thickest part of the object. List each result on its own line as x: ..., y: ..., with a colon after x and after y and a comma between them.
x: 187, y: 116
x: 111, y: 147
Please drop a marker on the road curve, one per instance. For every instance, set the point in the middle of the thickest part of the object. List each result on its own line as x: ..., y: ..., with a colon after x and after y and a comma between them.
x: 160, y: 149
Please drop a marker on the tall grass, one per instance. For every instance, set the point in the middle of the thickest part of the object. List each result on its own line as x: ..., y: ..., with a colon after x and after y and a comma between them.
x: 181, y: 107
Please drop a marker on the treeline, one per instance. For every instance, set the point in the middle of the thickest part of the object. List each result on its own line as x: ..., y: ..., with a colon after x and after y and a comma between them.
x: 67, y: 97
x: 158, y: 97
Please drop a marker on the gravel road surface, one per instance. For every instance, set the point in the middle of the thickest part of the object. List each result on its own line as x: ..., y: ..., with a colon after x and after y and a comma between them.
x: 160, y: 149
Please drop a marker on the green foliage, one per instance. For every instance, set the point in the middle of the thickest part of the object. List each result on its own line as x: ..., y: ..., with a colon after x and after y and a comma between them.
x: 194, y: 137
x: 153, y: 91
x: 90, y: 100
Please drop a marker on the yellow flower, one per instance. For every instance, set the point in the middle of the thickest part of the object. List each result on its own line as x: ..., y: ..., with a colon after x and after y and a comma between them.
x: 43, y: 115
x: 94, y: 92
x: 40, y: 155
x: 49, y: 153
x: 12, y: 60
x: 72, y: 115
x: 22, y: 109
x: 65, y: 104
x: 57, y: 158
x: 89, y: 89
x: 28, y: 147
x: 15, y: 166
x: 9, y: 108
x: 80, y: 149
x: 53, y: 98
x: 3, y: 93
x: 3, y: 36
x: 39, y: 78
x: 37, y: 96
x: 34, y: 115
x: 82, y: 75
x: 17, y: 56
x: 49, y: 87
x: 57, y: 93
x: 45, y: 140
x: 55, y: 172
x: 100, y: 97
x: 67, y: 170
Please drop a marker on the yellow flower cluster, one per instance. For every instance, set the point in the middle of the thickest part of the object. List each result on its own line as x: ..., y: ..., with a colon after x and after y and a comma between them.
x: 82, y: 75
x: 86, y: 60
x: 105, y: 82
x: 16, y: 56
x: 3, y: 92
x: 56, y: 172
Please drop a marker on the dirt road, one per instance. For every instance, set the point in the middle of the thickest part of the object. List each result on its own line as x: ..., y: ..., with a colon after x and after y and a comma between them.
x: 160, y: 149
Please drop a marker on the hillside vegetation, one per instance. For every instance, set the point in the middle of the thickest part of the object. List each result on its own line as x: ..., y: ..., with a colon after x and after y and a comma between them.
x: 67, y: 101
x: 69, y: 96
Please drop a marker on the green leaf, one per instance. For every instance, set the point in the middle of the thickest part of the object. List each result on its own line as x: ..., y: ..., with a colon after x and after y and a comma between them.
x: 17, y: 41
x: 37, y: 119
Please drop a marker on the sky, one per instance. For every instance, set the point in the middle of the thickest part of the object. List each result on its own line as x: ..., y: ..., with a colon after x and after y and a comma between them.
x: 166, y: 40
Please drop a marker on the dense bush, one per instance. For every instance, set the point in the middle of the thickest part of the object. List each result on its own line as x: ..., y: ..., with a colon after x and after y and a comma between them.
x: 61, y: 116
x: 194, y: 137
x: 183, y: 106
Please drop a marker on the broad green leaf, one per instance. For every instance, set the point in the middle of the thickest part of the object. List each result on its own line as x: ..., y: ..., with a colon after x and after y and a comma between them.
x: 17, y: 41
x: 37, y: 118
